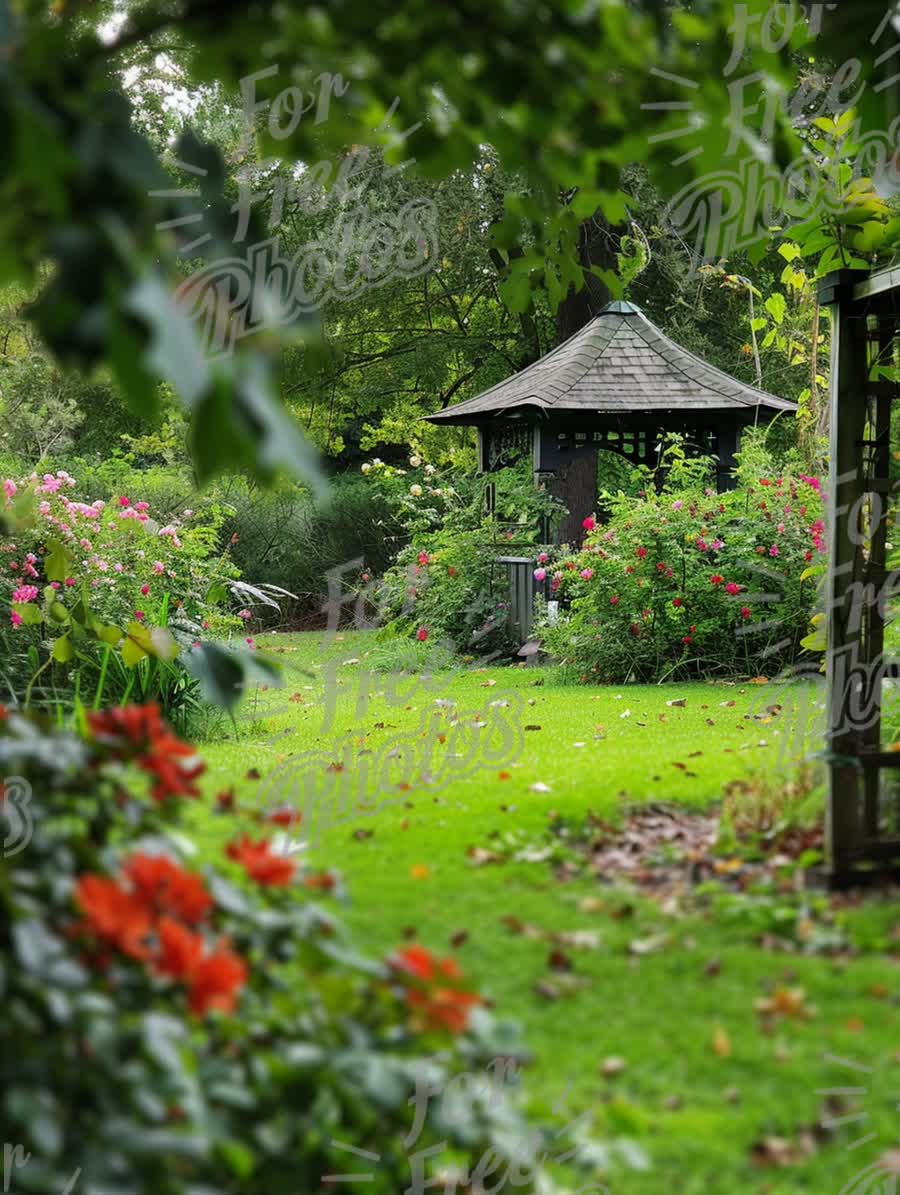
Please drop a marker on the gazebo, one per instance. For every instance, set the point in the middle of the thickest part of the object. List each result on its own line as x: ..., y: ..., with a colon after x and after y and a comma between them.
x: 617, y: 384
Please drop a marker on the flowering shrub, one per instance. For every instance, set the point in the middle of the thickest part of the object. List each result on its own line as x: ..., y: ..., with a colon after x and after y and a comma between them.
x: 444, y: 594
x: 688, y: 582
x: 78, y: 576
x: 444, y: 585
x: 212, y: 1026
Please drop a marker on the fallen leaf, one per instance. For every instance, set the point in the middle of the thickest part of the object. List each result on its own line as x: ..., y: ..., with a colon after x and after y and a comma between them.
x: 420, y: 871
x: 539, y: 787
x: 459, y: 938
x: 479, y: 857
x: 610, y: 1067
x: 679, y: 703
x: 721, y: 1043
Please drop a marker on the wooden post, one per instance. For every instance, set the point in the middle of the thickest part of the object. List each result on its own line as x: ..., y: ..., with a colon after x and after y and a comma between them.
x: 847, y: 400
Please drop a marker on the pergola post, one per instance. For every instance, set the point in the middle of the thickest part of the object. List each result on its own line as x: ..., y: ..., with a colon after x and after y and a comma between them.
x: 847, y: 401
x: 861, y: 830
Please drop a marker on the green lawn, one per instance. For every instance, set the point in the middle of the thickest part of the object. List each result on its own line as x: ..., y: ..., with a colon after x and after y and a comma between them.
x: 670, y: 989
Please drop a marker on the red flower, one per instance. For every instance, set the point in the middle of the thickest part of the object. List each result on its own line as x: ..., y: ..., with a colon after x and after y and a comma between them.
x: 167, y: 889
x: 444, y: 1008
x: 716, y: 579
x: 733, y: 588
x: 635, y: 629
x: 415, y: 960
x: 424, y: 558
x: 138, y: 733
x: 135, y: 724
x: 422, y: 634
x: 614, y: 600
x: 661, y: 567
x: 180, y: 951
x: 451, y: 571
x: 113, y: 915
x: 764, y: 481
x: 173, y: 779
x: 216, y: 981
x: 123, y: 501
x: 807, y: 557
x: 589, y: 524
x: 676, y: 602
x: 273, y: 871
x: 746, y: 612
x: 285, y: 817
x: 641, y: 553
x: 439, y: 1004
x: 688, y: 639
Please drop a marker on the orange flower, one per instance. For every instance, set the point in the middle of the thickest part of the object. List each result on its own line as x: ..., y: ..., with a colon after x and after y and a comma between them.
x: 167, y: 888
x: 216, y: 981
x: 180, y: 951
x: 274, y: 871
x: 113, y: 915
x: 445, y: 1008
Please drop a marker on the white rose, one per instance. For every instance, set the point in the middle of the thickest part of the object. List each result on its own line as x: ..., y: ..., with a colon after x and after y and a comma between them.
x: 429, y: 469
x: 416, y: 491
x: 378, y: 462
x: 415, y: 461
x: 366, y: 468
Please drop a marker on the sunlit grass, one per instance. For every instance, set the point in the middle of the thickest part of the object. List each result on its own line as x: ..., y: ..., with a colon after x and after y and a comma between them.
x: 696, y: 1107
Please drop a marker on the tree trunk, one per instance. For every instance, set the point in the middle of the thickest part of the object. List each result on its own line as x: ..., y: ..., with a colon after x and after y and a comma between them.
x: 596, y: 247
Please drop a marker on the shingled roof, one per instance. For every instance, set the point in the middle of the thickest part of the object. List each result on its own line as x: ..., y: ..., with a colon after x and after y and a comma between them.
x: 620, y: 363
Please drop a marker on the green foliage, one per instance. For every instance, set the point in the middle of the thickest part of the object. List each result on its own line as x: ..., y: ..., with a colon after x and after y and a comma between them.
x: 684, y: 582
x: 254, y: 1049
x: 104, y: 599
x: 286, y: 538
x: 445, y: 584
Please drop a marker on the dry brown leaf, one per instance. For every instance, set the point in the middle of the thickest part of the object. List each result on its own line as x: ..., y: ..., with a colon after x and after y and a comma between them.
x: 721, y: 1043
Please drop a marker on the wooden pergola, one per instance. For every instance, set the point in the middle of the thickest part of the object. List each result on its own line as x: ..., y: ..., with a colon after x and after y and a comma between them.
x: 617, y: 384
x: 863, y: 824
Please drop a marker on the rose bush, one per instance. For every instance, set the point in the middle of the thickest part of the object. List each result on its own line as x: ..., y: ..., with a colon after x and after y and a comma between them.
x: 82, y: 582
x: 687, y: 582
x: 177, y: 1028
